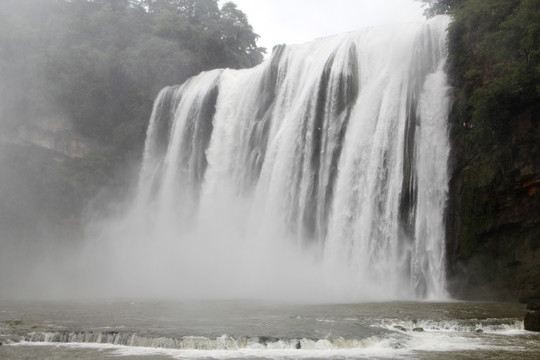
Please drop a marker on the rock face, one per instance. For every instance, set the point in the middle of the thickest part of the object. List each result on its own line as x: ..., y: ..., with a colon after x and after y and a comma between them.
x: 41, y: 194
x: 493, y: 222
x: 532, y: 317
x: 53, y: 133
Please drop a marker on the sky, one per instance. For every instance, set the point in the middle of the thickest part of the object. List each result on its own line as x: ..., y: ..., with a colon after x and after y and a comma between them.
x: 300, y: 21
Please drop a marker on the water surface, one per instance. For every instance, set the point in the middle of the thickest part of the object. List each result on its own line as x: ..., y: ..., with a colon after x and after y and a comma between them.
x: 264, y: 330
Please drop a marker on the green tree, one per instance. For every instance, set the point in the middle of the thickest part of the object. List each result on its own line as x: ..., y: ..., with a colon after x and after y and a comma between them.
x: 239, y: 38
x: 440, y: 7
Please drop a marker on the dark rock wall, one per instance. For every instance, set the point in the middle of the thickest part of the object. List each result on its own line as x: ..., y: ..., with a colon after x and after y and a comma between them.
x: 493, y: 222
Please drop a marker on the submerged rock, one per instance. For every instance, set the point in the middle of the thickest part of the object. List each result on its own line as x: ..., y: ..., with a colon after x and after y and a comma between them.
x: 418, y: 329
x: 400, y: 328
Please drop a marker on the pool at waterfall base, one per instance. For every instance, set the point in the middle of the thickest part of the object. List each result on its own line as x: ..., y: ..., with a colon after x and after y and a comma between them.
x: 263, y: 330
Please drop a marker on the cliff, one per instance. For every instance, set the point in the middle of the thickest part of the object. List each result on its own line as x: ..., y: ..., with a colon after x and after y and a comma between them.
x: 493, y: 224
x: 54, y: 133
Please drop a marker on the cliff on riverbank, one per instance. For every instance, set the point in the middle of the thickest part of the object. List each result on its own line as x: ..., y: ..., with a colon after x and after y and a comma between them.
x: 493, y: 222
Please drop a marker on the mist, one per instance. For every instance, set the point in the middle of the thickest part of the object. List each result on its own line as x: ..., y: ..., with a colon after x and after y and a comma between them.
x: 237, y: 184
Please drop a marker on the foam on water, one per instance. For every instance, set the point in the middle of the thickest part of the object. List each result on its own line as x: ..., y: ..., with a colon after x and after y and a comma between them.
x: 397, y: 344
x: 494, y: 326
x: 255, y: 330
x: 402, y: 335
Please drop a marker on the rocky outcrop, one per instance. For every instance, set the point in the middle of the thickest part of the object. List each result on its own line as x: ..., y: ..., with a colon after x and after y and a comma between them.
x: 532, y: 317
x: 52, y: 133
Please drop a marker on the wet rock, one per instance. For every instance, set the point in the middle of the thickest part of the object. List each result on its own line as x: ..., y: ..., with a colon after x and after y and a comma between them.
x: 532, y: 320
x: 532, y: 316
x: 265, y: 340
x: 479, y: 331
x: 418, y: 329
x: 400, y: 328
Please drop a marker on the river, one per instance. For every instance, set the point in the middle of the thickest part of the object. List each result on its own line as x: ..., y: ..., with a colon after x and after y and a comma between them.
x: 92, y: 330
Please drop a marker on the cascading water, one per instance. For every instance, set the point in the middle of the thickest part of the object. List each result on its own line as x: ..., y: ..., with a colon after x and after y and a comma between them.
x: 321, y: 173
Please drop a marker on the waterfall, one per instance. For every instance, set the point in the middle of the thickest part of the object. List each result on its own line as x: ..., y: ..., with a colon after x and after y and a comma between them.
x: 321, y: 172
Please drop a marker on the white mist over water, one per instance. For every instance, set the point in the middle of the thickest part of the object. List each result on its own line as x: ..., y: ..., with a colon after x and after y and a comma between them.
x: 320, y: 175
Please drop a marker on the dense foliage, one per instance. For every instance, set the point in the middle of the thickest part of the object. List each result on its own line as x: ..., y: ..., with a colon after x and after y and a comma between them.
x: 100, y: 64
x: 495, y: 47
x: 494, y: 58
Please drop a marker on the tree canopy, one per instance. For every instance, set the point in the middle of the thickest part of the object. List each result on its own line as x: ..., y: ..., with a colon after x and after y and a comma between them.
x: 495, y: 61
x: 102, y: 62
